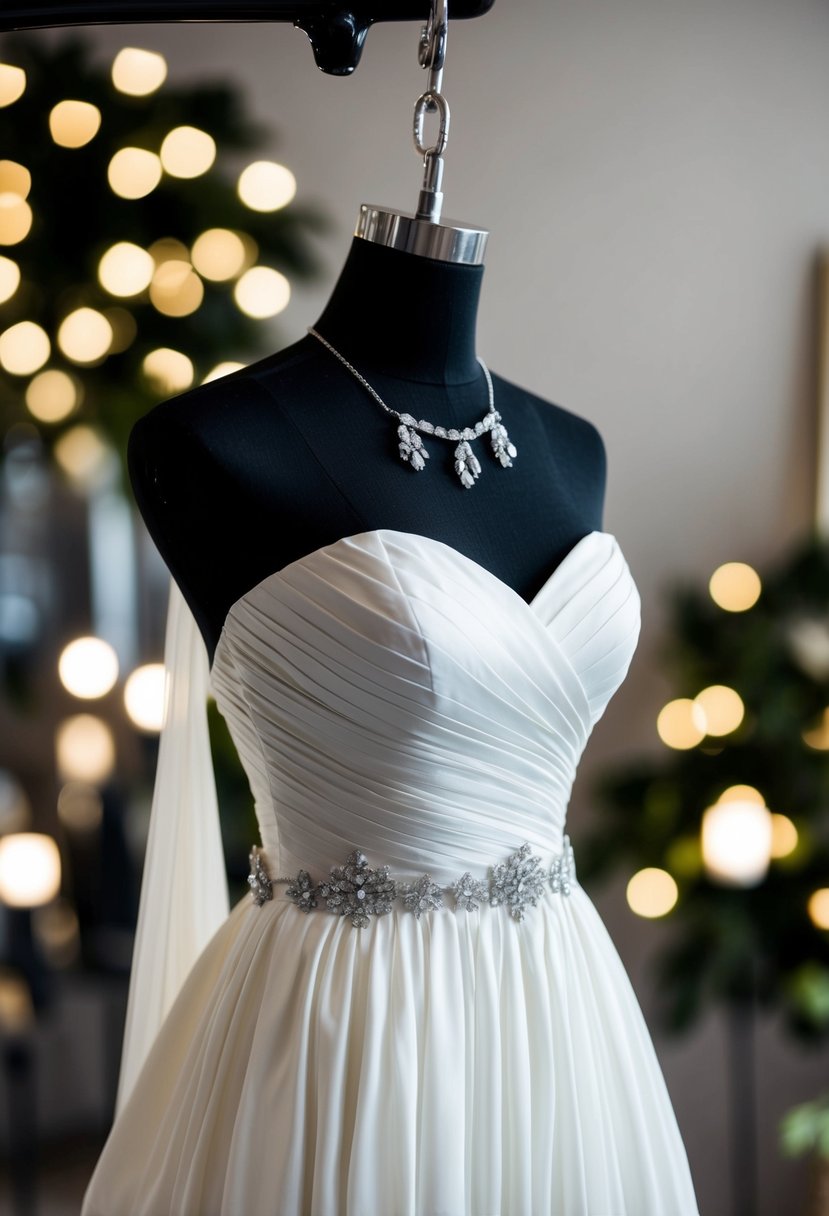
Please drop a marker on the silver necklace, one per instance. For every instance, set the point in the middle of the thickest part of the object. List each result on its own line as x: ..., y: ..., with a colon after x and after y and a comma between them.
x: 411, y: 446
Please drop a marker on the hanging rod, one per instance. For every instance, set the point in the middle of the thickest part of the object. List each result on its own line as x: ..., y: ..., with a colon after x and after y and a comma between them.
x: 336, y: 28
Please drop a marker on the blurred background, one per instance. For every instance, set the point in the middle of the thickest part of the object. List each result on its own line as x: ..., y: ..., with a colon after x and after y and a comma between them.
x: 176, y: 201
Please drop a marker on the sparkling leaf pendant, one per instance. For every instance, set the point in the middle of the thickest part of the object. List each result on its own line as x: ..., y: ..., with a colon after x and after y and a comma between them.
x: 501, y: 446
x: 466, y: 464
x: 411, y: 447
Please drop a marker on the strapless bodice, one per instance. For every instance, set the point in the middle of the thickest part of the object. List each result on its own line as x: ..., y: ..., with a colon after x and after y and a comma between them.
x: 389, y: 693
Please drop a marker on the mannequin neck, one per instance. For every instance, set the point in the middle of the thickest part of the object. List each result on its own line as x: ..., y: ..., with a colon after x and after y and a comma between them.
x: 404, y: 315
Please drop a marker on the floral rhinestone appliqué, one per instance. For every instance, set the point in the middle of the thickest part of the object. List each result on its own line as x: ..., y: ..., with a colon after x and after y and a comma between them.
x: 357, y: 890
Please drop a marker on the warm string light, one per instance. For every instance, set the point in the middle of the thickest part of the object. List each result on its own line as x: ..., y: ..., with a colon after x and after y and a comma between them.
x: 222, y: 369
x: 681, y: 723
x: 262, y: 292
x: 85, y: 749
x: 138, y: 72
x: 266, y: 186
x: 784, y: 836
x: 74, y: 123
x: 737, y: 837
x: 134, y: 172
x: 12, y: 83
x: 9, y: 278
x: 818, y: 908
x: 187, y: 152
x: 684, y: 722
x: 144, y: 693
x: 176, y: 290
x: 15, y: 179
x: 125, y: 269
x: 30, y: 871
x: 88, y: 667
x: 80, y: 806
x: 84, y: 456
x: 169, y: 371
x: 219, y: 254
x: 24, y: 348
x: 652, y: 892
x: 15, y: 218
x: 735, y: 586
x: 52, y: 395
x: 817, y: 737
x: 85, y: 335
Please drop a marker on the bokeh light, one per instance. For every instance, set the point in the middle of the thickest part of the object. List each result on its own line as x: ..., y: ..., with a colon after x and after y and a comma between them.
x: 222, y: 369
x: 819, y: 908
x: 30, y: 869
x: 9, y: 279
x: 737, y: 841
x: 784, y: 836
x: 262, y: 292
x: 88, y: 667
x: 652, y: 892
x: 681, y: 723
x: 15, y: 807
x: 817, y: 737
x: 80, y: 806
x: 12, y: 83
x: 134, y: 172
x: 144, y: 696
x: 83, y: 455
x: 15, y: 179
x: 85, y: 748
x: 85, y: 335
x: 187, y: 152
x: 735, y: 586
x: 218, y: 254
x: 723, y: 709
x: 74, y: 123
x: 15, y: 219
x: 168, y: 249
x: 124, y: 328
x: 125, y: 269
x: 169, y: 370
x: 138, y: 72
x: 266, y: 186
x: 176, y: 290
x: 24, y: 348
x: 58, y: 932
x: 52, y: 395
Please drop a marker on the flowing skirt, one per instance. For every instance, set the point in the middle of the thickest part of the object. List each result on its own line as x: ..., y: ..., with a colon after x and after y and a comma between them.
x: 460, y: 1064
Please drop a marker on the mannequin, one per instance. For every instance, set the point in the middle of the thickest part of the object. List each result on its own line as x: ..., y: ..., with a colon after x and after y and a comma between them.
x: 239, y: 477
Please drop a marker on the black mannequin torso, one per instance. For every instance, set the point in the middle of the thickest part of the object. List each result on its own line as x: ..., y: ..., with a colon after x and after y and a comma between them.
x: 239, y: 477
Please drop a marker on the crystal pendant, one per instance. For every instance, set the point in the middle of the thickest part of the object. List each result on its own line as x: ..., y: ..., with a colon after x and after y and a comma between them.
x: 501, y: 446
x: 466, y: 464
x: 411, y: 447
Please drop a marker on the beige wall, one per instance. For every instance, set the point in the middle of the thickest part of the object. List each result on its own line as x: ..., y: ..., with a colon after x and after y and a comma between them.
x: 655, y: 176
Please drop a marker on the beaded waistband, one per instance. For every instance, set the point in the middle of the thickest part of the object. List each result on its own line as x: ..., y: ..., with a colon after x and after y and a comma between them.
x: 356, y: 890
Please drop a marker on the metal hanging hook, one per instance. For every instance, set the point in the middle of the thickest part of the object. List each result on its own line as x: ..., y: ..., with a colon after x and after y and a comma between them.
x: 432, y: 56
x: 423, y: 234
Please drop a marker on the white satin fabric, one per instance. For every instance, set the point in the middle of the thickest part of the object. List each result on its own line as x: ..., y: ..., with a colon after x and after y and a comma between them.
x: 386, y: 692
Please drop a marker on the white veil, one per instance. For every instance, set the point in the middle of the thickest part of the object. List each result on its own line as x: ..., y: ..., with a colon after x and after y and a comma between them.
x: 184, y: 896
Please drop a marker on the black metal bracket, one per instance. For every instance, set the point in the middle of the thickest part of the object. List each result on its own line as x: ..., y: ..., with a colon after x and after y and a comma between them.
x: 337, y: 28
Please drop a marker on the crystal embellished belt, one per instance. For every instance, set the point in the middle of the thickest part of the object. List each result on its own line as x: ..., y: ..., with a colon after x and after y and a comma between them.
x: 358, y: 891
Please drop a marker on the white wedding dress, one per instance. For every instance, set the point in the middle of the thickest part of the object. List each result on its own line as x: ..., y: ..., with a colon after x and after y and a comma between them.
x: 388, y: 694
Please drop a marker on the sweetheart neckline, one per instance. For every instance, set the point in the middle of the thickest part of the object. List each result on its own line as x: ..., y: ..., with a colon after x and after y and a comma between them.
x: 530, y: 605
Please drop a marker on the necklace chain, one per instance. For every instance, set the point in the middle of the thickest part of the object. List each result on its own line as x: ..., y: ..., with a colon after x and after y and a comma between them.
x: 411, y: 447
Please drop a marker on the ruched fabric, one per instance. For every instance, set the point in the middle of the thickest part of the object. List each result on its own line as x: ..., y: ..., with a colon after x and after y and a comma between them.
x: 389, y: 694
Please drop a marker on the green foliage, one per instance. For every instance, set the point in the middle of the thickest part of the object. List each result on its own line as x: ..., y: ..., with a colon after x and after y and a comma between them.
x: 735, y: 944
x: 77, y: 217
x: 805, y: 1129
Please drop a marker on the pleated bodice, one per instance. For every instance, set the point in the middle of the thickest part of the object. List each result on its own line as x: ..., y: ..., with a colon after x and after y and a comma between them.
x: 388, y: 693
